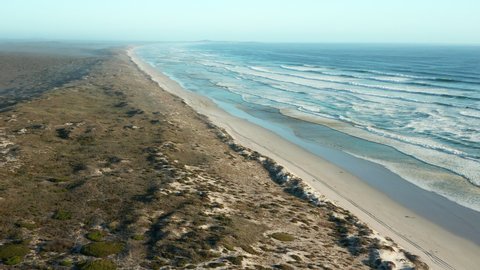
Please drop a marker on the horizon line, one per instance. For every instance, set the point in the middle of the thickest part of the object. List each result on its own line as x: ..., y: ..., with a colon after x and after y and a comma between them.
x: 66, y: 40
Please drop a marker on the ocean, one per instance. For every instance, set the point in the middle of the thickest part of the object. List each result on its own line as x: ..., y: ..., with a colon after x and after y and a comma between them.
x: 413, y: 109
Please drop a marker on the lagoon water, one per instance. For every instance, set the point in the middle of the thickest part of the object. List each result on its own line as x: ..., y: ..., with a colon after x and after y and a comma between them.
x: 415, y: 110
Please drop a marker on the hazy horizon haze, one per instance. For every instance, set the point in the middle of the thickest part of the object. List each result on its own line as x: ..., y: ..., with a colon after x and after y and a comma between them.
x: 368, y: 21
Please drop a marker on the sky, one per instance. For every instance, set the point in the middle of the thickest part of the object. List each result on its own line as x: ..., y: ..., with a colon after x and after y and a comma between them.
x: 365, y: 21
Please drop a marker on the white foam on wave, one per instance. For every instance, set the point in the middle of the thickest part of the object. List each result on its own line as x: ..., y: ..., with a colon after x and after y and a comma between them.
x: 225, y: 85
x: 321, y: 82
x: 390, y: 79
x: 431, y: 181
x: 365, y: 93
x: 267, y: 98
x: 214, y: 63
x: 409, y: 145
x: 390, y: 107
x: 284, y: 78
x: 470, y: 113
x: 470, y: 169
x: 262, y: 69
x: 354, y: 122
x: 400, y: 75
x: 266, y: 72
x: 284, y: 87
x: 432, y: 125
x: 410, y: 89
x: 305, y: 68
x: 361, y: 74
x: 446, y: 125
x: 423, y: 142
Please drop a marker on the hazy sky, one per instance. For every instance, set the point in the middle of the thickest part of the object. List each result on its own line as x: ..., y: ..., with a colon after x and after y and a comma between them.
x: 419, y: 21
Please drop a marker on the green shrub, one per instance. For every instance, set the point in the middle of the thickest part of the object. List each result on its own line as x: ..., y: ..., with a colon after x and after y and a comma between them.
x: 229, y: 247
x: 138, y: 237
x: 58, y: 179
x: 236, y: 260
x: 66, y: 262
x: 13, y: 260
x: 296, y: 257
x: 215, y: 264
x: 249, y: 249
x: 62, y: 215
x: 96, y: 236
x: 12, y: 254
x: 285, y: 237
x: 99, y: 265
x: 102, y: 249
x: 283, y: 267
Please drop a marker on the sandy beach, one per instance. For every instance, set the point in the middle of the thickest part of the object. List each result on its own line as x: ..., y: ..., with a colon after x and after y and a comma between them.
x: 437, y: 246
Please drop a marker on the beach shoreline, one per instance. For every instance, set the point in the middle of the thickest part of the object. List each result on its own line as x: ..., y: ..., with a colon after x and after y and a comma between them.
x: 439, y: 248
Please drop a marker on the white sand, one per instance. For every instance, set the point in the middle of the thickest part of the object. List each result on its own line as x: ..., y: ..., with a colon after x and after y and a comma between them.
x: 439, y: 248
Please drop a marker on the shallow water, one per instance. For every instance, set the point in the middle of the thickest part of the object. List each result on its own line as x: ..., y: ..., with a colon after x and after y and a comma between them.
x: 412, y: 109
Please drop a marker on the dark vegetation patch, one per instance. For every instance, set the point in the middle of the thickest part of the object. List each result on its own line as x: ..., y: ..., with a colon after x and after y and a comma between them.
x: 57, y: 179
x: 29, y: 225
x: 11, y: 254
x: 63, y: 133
x: 66, y: 263
x: 121, y: 104
x: 37, y: 126
x: 58, y: 245
x: 100, y: 264
x: 78, y: 166
x: 134, y: 112
x: 96, y: 236
x: 285, y: 237
x: 235, y: 260
x: 283, y: 267
x: 62, y: 215
x: 352, y: 234
x: 113, y: 160
x: 102, y: 249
